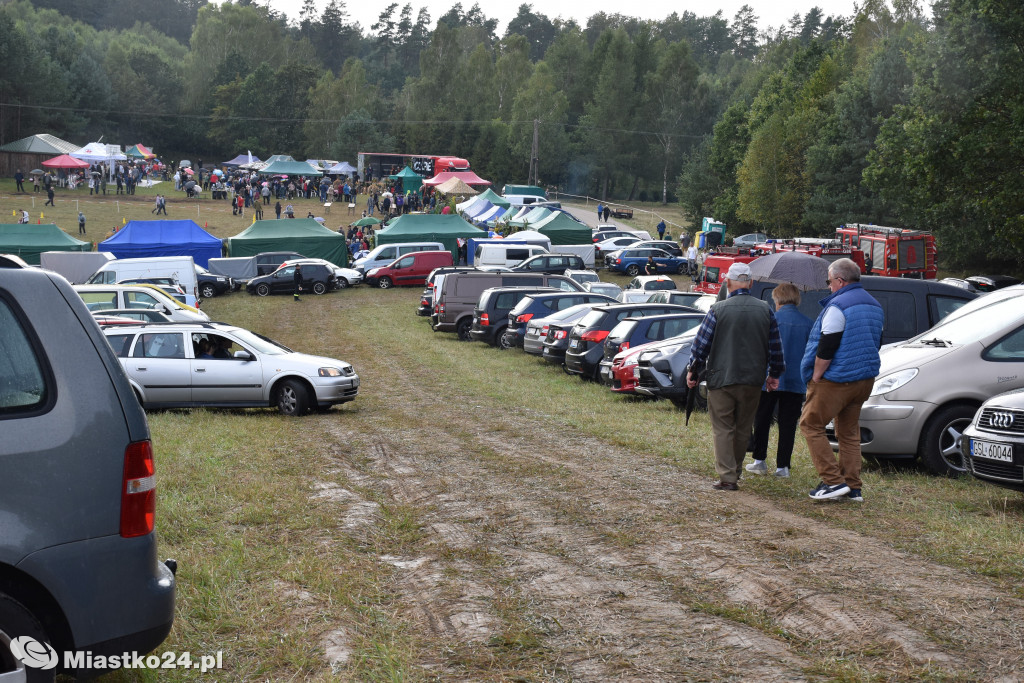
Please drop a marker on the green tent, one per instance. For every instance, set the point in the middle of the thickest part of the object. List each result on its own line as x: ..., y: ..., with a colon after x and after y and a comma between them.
x: 28, y: 241
x: 531, y: 219
x: 531, y: 190
x: 494, y: 198
x: 411, y: 180
x: 429, y: 227
x: 561, y: 229
x: 302, y: 235
x: 289, y: 168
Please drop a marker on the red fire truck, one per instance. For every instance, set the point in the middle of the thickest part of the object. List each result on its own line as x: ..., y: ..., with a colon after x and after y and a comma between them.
x: 828, y: 249
x: 895, y: 252
x: 716, y: 265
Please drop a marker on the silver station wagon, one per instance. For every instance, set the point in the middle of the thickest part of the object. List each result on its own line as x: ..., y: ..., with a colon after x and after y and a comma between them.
x: 173, y: 365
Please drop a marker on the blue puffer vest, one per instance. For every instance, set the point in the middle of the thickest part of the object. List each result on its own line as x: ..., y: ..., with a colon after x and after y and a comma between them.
x: 857, y: 356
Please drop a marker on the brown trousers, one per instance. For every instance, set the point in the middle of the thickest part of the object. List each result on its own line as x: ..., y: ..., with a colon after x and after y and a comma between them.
x: 731, y: 410
x: 839, y: 403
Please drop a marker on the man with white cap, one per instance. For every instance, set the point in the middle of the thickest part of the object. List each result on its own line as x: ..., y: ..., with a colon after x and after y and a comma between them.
x: 739, y: 338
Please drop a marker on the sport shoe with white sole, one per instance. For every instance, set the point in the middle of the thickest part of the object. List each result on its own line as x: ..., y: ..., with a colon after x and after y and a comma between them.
x: 757, y: 467
x: 782, y: 472
x: 855, y: 495
x: 826, y: 492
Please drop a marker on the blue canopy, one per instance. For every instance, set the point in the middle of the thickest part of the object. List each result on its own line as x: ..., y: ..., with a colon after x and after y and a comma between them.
x: 139, y: 239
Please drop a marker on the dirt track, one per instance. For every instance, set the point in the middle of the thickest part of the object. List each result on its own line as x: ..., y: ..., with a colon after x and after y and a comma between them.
x: 549, y: 555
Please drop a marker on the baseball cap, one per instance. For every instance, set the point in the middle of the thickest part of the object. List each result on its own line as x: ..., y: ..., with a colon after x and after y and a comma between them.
x: 738, y: 271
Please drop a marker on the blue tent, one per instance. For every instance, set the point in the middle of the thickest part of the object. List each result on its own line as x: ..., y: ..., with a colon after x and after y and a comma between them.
x: 479, y: 208
x: 139, y: 239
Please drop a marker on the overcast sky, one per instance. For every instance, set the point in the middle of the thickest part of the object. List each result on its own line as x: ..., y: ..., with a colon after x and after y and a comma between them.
x: 770, y: 12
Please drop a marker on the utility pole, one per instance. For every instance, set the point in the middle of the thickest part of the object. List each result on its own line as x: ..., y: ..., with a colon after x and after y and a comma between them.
x: 534, y: 160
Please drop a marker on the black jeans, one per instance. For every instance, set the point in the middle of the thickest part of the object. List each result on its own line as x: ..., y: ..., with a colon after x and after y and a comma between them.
x: 790, y: 404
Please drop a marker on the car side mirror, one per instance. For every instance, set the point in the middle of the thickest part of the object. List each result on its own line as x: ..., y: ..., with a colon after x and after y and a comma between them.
x: 165, y: 310
x: 243, y: 355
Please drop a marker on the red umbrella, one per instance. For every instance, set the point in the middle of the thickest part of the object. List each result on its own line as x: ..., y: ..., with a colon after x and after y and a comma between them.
x: 65, y: 161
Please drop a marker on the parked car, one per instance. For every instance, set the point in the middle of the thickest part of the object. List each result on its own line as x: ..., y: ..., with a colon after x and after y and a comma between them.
x: 750, y: 239
x: 409, y: 270
x: 542, y: 305
x: 537, y: 328
x: 665, y: 245
x: 642, y: 330
x: 553, y: 264
x: 624, y: 373
x: 652, y: 283
x: 929, y: 387
x: 147, y: 315
x: 606, y: 246
x: 633, y: 296
x: 490, y: 317
x: 343, y: 277
x: 506, y: 255
x: 171, y: 290
x: 459, y: 293
x: 681, y: 298
x: 316, y: 277
x: 167, y: 369
x: 607, y: 288
x: 384, y: 254
x: 661, y: 369
x: 603, y: 236
x: 211, y: 285
x: 583, y: 276
x: 177, y: 271
x: 586, y: 341
x: 269, y: 261
x: 990, y: 283
x: 995, y: 441
x: 105, y: 297
x: 632, y: 261
x: 78, y: 554
x: 958, y: 282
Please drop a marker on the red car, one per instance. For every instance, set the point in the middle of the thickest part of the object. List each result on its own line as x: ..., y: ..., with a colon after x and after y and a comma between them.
x: 624, y: 379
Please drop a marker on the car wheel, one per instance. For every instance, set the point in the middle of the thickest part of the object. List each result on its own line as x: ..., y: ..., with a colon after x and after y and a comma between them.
x: 682, y: 268
x: 633, y: 270
x: 506, y: 342
x: 941, y: 449
x: 385, y: 283
x: 292, y: 398
x: 463, y: 328
x: 16, y: 620
x: 342, y: 283
x: 499, y: 339
x: 263, y: 289
x: 208, y: 292
x: 319, y: 288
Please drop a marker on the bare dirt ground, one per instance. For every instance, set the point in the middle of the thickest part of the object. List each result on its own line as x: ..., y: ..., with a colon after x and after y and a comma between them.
x: 544, y: 554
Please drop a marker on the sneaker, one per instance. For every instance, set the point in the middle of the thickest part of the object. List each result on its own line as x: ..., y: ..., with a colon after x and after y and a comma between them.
x: 855, y: 495
x: 782, y: 472
x: 826, y: 492
x: 757, y: 467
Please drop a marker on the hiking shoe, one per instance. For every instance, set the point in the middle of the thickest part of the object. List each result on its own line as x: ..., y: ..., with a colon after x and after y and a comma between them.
x: 782, y: 472
x: 826, y: 492
x: 855, y: 495
x: 757, y: 467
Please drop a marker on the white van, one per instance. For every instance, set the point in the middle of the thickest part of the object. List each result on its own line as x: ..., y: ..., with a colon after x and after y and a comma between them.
x: 386, y: 253
x: 181, y: 268
x: 506, y: 255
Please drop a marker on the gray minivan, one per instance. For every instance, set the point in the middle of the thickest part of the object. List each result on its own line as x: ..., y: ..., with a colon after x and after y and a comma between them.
x: 78, y: 554
x: 460, y: 293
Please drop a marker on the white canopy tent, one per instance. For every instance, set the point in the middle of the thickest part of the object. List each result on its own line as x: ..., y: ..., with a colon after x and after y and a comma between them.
x: 97, y: 152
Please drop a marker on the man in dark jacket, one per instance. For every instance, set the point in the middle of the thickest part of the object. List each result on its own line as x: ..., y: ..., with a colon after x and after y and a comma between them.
x: 739, y: 338
x: 298, y: 281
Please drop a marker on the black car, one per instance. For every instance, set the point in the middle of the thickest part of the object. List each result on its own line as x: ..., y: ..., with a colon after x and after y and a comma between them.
x: 269, y: 261
x: 586, y: 341
x: 553, y: 264
x: 211, y: 285
x: 990, y: 283
x: 490, y: 317
x: 643, y: 330
x: 316, y: 278
x: 542, y: 305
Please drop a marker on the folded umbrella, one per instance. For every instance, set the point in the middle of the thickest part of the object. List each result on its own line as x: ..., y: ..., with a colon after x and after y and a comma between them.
x: 698, y: 368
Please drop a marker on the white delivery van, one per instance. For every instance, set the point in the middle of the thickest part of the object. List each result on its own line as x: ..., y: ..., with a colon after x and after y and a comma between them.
x: 386, y: 253
x: 181, y: 268
x: 506, y: 255
x: 76, y: 266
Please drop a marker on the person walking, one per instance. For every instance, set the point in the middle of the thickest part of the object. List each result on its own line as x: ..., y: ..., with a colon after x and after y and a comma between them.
x: 607, y: 213
x: 739, y: 339
x: 600, y: 211
x: 691, y: 261
x: 81, y: 223
x: 297, y: 279
x: 650, y: 268
x: 277, y: 210
x: 661, y: 229
x: 156, y: 205
x: 839, y: 366
x: 49, y: 196
x: 19, y: 181
x: 163, y: 205
x: 794, y: 328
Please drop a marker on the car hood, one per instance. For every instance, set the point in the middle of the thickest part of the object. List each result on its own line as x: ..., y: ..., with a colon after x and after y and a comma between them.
x: 303, y: 362
x: 347, y: 272
x: 896, y: 357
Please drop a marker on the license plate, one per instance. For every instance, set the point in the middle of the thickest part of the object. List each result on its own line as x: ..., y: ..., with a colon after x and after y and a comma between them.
x: 636, y: 372
x: 992, y: 451
x: 574, y: 343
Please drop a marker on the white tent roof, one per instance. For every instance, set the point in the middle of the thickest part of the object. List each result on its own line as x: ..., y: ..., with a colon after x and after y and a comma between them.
x: 462, y: 207
x: 344, y: 168
x: 97, y: 151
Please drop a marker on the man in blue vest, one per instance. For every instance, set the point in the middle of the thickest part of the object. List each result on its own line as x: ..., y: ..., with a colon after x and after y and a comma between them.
x: 839, y: 366
x: 740, y: 340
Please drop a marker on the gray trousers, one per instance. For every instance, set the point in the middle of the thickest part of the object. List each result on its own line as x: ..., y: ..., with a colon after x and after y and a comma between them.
x: 732, y: 409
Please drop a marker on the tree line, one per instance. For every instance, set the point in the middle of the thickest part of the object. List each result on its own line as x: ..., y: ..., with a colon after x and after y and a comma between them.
x: 889, y: 116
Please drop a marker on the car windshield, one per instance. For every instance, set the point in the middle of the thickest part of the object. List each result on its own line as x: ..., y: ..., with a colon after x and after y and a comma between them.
x: 622, y: 330
x: 592, y: 318
x: 984, y: 302
x: 977, y: 324
x: 260, y: 343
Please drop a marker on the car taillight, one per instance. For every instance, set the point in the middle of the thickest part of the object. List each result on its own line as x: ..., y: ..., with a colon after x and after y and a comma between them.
x: 596, y: 336
x: 623, y: 346
x: 544, y: 331
x: 560, y: 334
x: 424, y: 302
x: 524, y: 318
x: 483, y: 319
x: 440, y: 309
x: 138, y: 490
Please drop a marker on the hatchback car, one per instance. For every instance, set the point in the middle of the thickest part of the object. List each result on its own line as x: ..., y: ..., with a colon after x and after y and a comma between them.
x: 929, y: 387
x: 994, y: 441
x: 750, y: 239
x: 184, y: 365
x: 553, y: 264
x: 583, y: 276
x: 490, y: 317
x: 607, y: 245
x: 637, y: 331
x: 541, y: 305
x: 316, y: 278
x: 652, y: 283
x: 681, y: 298
x: 537, y: 328
x: 343, y: 277
x: 607, y: 288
